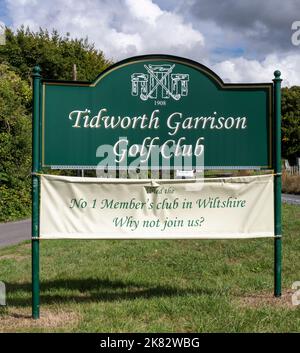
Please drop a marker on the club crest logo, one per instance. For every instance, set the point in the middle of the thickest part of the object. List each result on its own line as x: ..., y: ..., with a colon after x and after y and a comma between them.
x: 159, y: 83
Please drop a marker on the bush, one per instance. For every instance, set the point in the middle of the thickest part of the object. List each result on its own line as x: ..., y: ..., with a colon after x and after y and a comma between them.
x: 290, y: 183
x: 15, y: 145
x: 55, y: 54
x: 15, y: 203
x: 291, y: 123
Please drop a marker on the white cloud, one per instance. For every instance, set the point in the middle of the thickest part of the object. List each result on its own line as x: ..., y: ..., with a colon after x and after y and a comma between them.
x: 144, y: 10
x: 243, y: 70
x: 124, y: 28
x: 120, y: 28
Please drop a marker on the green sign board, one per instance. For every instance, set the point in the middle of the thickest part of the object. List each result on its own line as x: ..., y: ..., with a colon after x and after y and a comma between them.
x: 158, y: 109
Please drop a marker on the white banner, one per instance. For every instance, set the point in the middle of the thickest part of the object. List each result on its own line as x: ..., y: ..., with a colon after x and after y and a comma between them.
x: 220, y: 208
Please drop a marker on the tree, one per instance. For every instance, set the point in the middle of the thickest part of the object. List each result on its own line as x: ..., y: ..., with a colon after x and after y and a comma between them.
x: 55, y: 54
x: 291, y: 123
x: 15, y: 145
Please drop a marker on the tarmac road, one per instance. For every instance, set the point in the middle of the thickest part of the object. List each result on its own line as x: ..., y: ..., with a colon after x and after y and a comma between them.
x: 15, y: 232
x: 291, y: 199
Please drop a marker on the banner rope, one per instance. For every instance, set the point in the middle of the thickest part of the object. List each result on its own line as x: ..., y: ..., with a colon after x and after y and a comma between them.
x: 238, y: 176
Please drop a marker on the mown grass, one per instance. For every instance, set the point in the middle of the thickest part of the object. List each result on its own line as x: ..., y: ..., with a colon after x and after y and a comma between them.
x: 155, y: 286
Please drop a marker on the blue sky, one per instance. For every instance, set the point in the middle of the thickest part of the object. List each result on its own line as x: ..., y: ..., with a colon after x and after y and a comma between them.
x: 243, y: 41
x: 4, y: 17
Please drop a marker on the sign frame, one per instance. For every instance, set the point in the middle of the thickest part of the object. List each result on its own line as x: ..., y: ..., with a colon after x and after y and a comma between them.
x: 223, y: 86
x: 37, y: 165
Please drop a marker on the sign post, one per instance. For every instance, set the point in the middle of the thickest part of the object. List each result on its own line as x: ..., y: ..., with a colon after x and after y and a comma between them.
x: 277, y: 183
x: 35, y: 193
x: 157, y: 113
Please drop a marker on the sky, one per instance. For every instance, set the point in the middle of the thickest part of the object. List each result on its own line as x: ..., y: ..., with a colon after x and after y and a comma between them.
x: 242, y: 41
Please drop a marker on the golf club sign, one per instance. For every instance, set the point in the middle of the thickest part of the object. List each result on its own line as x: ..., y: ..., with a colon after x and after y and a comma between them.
x: 157, y: 112
x: 154, y: 111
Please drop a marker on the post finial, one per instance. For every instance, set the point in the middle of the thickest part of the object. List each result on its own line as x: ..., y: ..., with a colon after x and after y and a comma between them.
x: 36, y: 71
x: 277, y: 74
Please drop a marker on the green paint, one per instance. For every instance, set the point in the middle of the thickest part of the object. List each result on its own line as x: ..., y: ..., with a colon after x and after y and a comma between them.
x: 35, y: 194
x: 277, y: 184
x: 206, y: 96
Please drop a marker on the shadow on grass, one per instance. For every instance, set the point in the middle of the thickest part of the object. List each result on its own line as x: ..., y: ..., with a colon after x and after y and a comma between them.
x: 94, y: 290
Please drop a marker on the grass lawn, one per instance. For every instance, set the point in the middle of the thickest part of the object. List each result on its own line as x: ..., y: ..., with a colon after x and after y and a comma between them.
x: 154, y: 286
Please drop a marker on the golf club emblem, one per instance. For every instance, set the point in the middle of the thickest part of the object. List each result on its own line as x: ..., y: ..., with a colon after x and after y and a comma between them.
x: 159, y: 83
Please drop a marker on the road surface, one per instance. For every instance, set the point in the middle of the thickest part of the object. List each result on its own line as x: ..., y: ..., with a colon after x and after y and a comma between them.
x: 15, y: 232
x: 291, y: 199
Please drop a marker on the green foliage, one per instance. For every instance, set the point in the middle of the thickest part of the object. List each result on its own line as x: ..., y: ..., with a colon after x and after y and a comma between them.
x: 14, y: 202
x: 291, y: 123
x: 55, y: 54
x: 15, y: 145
